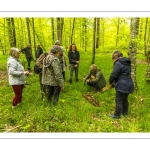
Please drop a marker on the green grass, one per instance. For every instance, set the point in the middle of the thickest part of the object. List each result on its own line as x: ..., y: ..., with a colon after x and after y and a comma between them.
x: 73, y: 112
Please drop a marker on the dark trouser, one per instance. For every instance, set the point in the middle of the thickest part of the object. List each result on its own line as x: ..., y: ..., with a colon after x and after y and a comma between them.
x: 63, y: 75
x: 40, y: 80
x: 72, y: 69
x: 121, y: 103
x: 18, y: 89
x: 95, y: 85
x: 29, y: 62
x: 53, y: 91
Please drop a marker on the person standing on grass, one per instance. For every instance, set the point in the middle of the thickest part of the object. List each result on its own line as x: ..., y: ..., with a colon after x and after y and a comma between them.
x: 74, y: 58
x: 52, y: 74
x: 39, y: 63
x: 39, y: 51
x: 95, y: 78
x: 28, y: 55
x: 62, y: 59
x: 16, y: 75
x: 123, y: 83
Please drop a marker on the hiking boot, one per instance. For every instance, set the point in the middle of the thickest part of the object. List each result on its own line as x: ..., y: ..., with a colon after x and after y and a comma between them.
x: 114, y: 117
x: 124, y: 114
x: 14, y: 107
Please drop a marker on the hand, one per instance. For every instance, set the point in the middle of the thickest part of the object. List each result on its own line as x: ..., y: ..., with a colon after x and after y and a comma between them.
x: 75, y: 65
x: 87, y: 80
x: 62, y: 88
x: 77, y: 62
x: 26, y: 72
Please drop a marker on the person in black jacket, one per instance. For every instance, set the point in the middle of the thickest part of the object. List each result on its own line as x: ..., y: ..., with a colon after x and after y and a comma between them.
x: 27, y: 52
x: 74, y: 58
x: 39, y: 51
x: 121, y: 78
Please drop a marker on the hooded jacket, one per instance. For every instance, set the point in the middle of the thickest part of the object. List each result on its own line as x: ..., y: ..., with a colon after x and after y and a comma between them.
x: 121, y: 76
x: 15, y: 70
x: 51, y: 71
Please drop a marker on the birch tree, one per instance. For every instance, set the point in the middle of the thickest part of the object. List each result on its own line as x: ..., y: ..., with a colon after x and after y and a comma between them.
x: 134, y: 28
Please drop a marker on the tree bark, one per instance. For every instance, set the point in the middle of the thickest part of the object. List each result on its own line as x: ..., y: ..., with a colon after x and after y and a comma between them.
x: 97, y: 32
x: 134, y: 28
x: 94, y: 33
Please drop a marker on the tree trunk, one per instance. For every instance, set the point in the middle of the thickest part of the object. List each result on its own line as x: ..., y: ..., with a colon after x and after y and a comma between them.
x: 72, y: 31
x: 29, y: 36
x: 34, y: 36
x: 53, y: 33
x: 117, y: 34
x: 134, y: 28
x: 97, y: 32
x: 145, y: 35
x: 10, y: 32
x: 60, y: 23
x: 94, y: 33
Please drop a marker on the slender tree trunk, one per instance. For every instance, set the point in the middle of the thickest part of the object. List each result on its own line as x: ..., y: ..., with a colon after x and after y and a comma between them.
x: 94, y: 33
x: 4, y: 49
x: 13, y: 31
x: 117, y: 34
x: 60, y: 23
x: 53, y: 32
x: 145, y: 35
x: 28, y: 32
x: 97, y: 32
x: 10, y: 32
x: 134, y: 28
x: 72, y: 31
x: 34, y: 36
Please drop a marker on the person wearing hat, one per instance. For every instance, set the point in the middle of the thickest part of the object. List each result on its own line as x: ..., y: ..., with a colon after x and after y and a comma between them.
x: 95, y: 78
x: 16, y: 75
x: 52, y: 74
x: 62, y: 59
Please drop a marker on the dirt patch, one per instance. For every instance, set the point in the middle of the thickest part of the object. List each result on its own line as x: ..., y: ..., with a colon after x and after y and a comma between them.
x: 3, y: 77
x: 141, y: 61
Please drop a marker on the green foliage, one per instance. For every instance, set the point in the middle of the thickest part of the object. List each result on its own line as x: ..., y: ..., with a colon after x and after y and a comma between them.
x: 73, y: 112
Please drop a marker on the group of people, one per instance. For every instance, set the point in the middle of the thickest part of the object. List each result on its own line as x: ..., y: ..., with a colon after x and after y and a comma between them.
x: 52, y: 76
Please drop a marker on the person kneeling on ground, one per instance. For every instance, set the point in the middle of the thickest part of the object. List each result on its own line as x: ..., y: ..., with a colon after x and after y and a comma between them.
x: 95, y: 78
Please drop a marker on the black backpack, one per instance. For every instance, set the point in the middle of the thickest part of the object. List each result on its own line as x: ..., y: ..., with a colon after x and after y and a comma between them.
x: 37, y: 70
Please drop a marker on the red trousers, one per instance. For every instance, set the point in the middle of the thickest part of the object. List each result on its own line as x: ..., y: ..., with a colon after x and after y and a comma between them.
x: 18, y: 89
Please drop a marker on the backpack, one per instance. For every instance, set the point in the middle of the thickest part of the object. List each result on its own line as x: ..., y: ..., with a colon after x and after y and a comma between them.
x: 38, y: 69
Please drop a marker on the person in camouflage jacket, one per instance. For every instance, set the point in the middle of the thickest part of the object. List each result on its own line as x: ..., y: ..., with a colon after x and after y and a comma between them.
x: 52, y: 74
x: 95, y: 78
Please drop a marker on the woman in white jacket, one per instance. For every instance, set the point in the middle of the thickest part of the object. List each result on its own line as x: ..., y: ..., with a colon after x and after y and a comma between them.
x: 16, y: 75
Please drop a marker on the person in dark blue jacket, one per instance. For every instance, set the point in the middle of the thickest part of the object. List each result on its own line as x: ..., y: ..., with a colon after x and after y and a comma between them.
x: 123, y: 83
x: 74, y: 58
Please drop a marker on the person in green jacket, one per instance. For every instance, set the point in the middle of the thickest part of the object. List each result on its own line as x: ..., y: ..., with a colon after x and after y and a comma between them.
x: 95, y: 78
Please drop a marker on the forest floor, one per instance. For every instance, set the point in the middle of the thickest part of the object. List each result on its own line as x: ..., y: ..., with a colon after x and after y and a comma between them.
x: 3, y: 77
